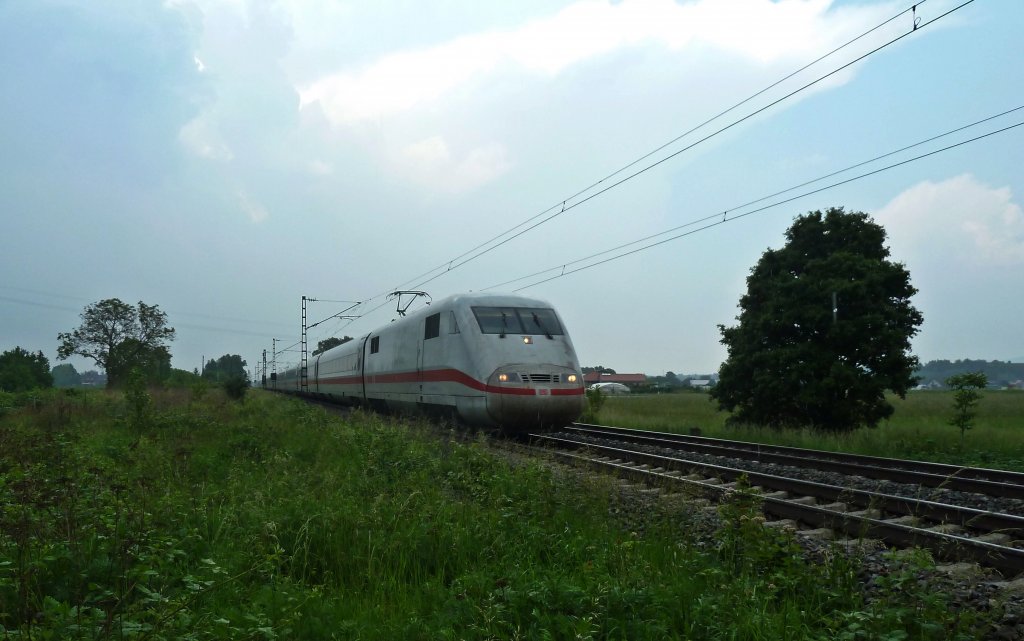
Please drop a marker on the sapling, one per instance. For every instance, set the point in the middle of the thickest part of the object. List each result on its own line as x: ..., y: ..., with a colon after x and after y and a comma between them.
x: 965, y: 399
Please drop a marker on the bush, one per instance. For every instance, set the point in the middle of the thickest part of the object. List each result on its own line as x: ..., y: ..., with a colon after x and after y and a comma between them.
x: 139, y: 401
x: 235, y: 387
x: 595, y: 399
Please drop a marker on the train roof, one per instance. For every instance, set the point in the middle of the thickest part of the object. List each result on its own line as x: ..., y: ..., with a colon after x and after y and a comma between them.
x: 469, y: 299
x: 490, y: 298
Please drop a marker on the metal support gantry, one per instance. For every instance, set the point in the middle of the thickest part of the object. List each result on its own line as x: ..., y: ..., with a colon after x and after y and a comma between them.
x: 304, y: 378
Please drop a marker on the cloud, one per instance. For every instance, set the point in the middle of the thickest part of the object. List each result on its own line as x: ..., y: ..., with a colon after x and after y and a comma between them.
x: 761, y: 31
x: 320, y: 168
x: 409, y: 108
x: 203, y: 139
x: 97, y: 91
x: 257, y: 213
x: 431, y: 162
x: 960, y: 219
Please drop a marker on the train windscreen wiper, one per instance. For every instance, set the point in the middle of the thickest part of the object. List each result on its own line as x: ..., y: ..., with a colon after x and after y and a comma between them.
x: 536, y: 320
x: 504, y: 324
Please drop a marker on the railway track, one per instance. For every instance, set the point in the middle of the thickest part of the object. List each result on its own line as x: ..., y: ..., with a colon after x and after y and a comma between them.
x: 1001, y: 483
x: 953, y: 531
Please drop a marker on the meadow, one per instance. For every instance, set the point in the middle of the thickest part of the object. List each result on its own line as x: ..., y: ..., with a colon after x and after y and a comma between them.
x: 181, y: 514
x: 919, y: 427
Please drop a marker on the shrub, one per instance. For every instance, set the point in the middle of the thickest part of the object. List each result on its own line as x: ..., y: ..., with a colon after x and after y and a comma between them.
x: 235, y: 387
x: 595, y: 399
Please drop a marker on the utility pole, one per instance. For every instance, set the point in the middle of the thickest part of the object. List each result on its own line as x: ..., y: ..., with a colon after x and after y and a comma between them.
x: 273, y: 364
x: 264, y: 371
x: 303, y: 379
x: 303, y: 371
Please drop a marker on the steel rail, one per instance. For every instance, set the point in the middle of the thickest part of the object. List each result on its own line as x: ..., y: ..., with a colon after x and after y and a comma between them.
x: 939, y: 475
x: 906, y: 506
x: 943, y: 545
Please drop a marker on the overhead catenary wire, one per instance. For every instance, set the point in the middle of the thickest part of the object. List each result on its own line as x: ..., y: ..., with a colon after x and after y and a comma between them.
x: 736, y: 208
x: 169, y: 312
x: 721, y: 220
x: 564, y: 204
x: 569, y: 207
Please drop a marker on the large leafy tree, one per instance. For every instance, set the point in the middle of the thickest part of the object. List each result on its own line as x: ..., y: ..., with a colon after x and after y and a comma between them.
x: 152, y: 361
x: 330, y: 343
x: 119, y: 337
x: 794, y: 359
x: 20, y: 370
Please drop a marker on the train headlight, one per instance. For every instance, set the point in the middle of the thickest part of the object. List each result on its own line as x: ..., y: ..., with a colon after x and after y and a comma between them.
x: 571, y: 378
x: 528, y: 340
x: 508, y: 378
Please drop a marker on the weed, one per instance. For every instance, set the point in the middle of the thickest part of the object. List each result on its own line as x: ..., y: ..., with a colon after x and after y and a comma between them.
x: 139, y: 402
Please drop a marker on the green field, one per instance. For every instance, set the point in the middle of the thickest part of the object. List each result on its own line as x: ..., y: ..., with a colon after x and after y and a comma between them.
x: 184, y: 515
x: 919, y: 428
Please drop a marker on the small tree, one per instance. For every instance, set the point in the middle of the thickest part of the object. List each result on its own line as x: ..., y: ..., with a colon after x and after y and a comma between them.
x: 965, y: 399
x: 66, y: 376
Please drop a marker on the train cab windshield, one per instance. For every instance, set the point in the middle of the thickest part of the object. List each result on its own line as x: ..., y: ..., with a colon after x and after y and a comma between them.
x: 518, y: 320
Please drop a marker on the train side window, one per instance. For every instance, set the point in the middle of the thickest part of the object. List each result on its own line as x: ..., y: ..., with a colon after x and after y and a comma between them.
x: 453, y: 325
x: 375, y: 344
x: 432, y: 326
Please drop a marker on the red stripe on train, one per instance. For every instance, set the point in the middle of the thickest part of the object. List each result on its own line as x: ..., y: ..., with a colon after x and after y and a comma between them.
x: 446, y: 376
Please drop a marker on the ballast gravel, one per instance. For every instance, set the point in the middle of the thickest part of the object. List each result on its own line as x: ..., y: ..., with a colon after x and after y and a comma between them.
x: 939, y: 495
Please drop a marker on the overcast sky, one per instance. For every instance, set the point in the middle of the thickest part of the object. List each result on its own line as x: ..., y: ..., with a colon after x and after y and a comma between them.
x: 222, y: 158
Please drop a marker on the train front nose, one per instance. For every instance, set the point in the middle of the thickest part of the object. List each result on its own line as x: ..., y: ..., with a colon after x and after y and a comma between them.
x: 522, y: 397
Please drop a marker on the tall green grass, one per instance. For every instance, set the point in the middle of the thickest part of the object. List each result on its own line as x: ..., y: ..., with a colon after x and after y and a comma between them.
x: 919, y: 427
x: 271, y: 519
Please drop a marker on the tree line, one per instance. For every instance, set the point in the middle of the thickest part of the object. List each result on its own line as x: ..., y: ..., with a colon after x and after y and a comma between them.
x: 123, y: 340
x: 996, y: 372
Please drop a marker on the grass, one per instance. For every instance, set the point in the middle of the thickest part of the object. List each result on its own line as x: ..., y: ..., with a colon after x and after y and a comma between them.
x: 191, y: 516
x: 919, y: 427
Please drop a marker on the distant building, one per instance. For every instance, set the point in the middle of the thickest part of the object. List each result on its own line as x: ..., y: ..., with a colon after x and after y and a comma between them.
x: 700, y: 383
x: 626, y: 379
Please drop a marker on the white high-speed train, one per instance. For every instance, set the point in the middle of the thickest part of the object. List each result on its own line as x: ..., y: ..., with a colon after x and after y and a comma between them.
x: 488, y: 360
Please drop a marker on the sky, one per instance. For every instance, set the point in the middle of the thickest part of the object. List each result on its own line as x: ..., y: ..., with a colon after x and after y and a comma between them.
x: 223, y: 158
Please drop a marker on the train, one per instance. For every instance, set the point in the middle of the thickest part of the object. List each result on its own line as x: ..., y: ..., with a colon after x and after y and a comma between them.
x: 497, y: 361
